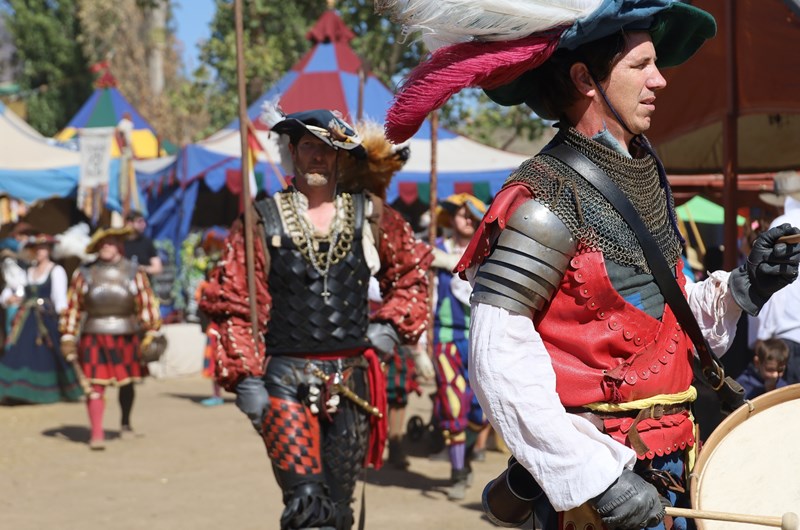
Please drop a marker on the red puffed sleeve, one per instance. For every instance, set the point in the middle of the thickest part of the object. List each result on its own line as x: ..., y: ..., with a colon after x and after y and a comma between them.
x: 70, y: 320
x: 148, y: 310
x: 403, y: 279
x: 225, y: 300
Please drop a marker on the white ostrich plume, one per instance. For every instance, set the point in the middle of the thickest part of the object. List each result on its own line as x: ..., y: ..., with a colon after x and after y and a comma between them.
x: 72, y: 243
x: 271, y: 113
x: 445, y: 22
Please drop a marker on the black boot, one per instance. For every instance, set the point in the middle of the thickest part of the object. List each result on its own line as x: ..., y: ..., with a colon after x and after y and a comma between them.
x: 461, y: 480
x: 397, y: 455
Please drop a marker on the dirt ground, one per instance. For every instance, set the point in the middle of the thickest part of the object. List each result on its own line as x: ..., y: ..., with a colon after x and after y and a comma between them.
x: 191, y: 467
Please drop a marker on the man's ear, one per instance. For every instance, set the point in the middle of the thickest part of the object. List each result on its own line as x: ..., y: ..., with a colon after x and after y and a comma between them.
x: 579, y: 74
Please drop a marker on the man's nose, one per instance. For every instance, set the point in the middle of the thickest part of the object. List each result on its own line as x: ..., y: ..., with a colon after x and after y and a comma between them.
x: 657, y: 81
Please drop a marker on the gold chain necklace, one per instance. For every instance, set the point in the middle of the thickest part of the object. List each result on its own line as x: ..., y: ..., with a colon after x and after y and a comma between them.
x: 339, y: 237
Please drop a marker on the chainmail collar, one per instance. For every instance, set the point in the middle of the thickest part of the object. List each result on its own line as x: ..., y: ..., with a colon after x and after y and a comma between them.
x: 591, y: 219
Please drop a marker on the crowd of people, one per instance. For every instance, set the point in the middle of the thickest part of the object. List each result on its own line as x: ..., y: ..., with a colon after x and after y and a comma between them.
x: 558, y: 311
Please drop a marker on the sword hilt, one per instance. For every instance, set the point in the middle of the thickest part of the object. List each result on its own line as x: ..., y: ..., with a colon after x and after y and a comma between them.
x: 362, y: 403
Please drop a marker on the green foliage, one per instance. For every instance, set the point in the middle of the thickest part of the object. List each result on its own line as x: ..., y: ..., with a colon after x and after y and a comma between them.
x: 54, y: 69
x: 274, y: 39
x: 380, y: 43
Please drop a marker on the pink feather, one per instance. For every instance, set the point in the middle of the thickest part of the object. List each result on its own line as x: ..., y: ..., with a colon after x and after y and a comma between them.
x: 470, y: 64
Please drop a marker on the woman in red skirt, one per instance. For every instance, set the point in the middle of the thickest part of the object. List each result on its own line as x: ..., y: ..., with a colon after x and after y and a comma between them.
x: 109, y: 306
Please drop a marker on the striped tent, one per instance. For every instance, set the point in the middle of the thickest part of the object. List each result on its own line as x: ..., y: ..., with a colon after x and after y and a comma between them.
x: 328, y: 76
x: 105, y: 108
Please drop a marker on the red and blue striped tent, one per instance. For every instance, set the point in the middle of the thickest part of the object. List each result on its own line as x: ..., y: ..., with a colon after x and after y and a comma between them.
x: 105, y: 108
x: 328, y: 77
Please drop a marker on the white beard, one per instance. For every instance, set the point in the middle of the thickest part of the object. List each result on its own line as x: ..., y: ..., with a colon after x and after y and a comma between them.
x: 316, y: 179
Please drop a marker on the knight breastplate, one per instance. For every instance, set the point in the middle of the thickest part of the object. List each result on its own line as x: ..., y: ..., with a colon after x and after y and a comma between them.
x: 311, y: 315
x: 110, y: 300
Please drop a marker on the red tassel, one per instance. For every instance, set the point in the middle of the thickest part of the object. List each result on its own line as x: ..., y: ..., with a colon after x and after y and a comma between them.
x: 451, y: 69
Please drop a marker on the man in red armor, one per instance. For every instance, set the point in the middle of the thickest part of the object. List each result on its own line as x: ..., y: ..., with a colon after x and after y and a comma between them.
x: 574, y: 355
x: 316, y: 245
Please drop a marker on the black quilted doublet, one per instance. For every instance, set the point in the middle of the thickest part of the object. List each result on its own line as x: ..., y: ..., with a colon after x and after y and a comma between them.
x: 308, y: 319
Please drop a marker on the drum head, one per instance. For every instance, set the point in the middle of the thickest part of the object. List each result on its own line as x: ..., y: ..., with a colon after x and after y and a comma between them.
x: 751, y: 462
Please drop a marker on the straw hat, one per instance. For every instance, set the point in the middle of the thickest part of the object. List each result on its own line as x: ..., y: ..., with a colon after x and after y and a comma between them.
x: 104, y: 233
x: 785, y: 183
x: 448, y: 207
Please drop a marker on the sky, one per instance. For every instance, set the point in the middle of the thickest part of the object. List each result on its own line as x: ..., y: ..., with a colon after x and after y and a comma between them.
x: 192, y: 19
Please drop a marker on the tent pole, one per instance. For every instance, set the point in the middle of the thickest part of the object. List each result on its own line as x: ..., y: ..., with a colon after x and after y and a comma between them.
x: 730, y: 147
x: 696, y: 232
x: 432, y: 228
x: 361, y: 80
x: 248, y: 212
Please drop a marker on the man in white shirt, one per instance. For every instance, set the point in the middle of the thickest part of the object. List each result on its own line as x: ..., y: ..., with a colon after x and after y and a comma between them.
x: 575, y: 357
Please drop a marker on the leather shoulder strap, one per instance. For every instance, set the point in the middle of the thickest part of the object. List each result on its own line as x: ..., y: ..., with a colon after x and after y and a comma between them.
x: 267, y: 210
x: 712, y: 369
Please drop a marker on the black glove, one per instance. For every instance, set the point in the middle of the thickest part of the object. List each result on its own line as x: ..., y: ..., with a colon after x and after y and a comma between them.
x: 630, y: 503
x: 770, y: 267
x: 383, y: 337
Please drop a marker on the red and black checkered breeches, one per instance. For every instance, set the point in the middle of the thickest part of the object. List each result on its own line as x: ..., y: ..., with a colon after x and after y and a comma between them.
x: 309, y: 453
x: 291, y: 434
x: 111, y: 359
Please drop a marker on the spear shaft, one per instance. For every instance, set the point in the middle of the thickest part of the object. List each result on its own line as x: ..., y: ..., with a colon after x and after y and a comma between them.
x: 243, y: 132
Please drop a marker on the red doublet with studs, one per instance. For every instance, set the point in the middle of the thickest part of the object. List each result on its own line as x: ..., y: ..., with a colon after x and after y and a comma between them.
x: 605, y: 350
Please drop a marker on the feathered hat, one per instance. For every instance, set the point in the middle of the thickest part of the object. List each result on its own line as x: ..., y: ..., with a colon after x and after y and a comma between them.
x: 375, y: 159
x: 491, y: 44
x: 327, y: 125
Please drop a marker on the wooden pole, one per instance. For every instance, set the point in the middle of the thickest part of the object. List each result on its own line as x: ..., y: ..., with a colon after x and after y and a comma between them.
x: 362, y: 74
x: 432, y: 228
x: 730, y: 147
x: 248, y: 213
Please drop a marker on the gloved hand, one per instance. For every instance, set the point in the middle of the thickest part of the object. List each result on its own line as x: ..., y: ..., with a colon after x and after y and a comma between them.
x: 383, y: 337
x: 423, y: 363
x: 771, y: 266
x: 630, y: 503
x: 69, y: 348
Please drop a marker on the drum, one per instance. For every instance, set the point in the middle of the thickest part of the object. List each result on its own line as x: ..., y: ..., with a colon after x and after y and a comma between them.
x: 751, y: 462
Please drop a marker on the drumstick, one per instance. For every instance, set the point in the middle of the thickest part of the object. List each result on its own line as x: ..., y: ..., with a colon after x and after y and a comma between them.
x: 790, y: 239
x: 789, y: 521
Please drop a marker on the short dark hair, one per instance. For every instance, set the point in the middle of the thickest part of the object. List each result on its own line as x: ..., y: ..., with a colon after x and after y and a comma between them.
x: 133, y: 215
x: 551, y: 82
x: 772, y: 350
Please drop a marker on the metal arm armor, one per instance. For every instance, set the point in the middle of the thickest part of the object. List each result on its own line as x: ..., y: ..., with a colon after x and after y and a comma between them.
x: 527, y: 262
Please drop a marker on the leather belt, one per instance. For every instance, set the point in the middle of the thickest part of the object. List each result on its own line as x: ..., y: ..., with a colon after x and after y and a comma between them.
x: 653, y: 412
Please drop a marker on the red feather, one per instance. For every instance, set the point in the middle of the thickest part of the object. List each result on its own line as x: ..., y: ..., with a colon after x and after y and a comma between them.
x: 470, y: 64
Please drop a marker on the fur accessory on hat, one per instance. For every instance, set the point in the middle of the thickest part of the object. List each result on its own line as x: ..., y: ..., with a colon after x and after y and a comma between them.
x: 374, y: 172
